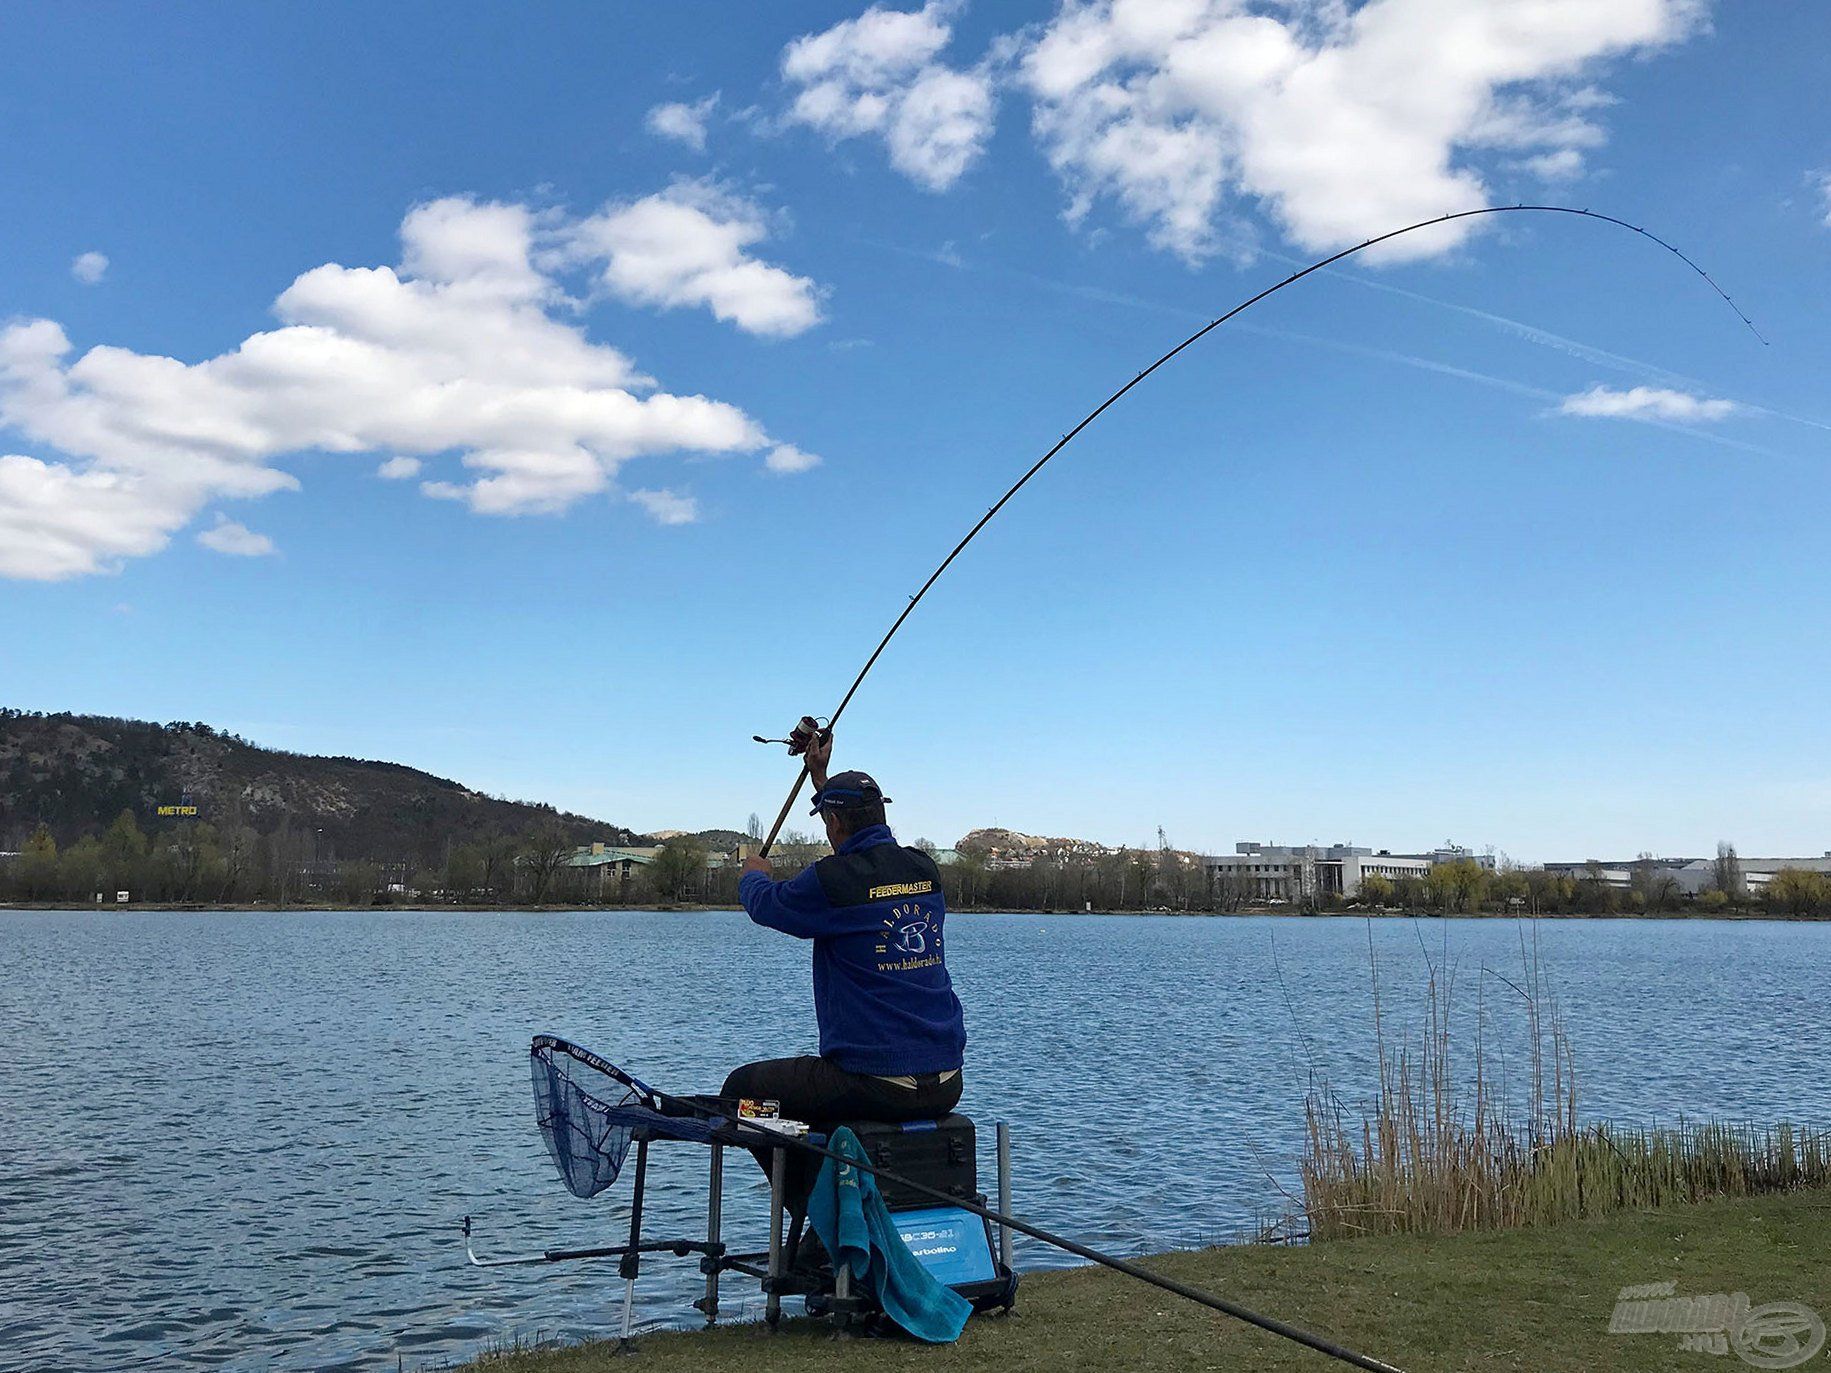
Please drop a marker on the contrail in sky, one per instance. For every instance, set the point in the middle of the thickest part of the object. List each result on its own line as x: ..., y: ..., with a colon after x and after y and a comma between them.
x: 1545, y: 338
x: 1530, y: 332
x: 1518, y: 388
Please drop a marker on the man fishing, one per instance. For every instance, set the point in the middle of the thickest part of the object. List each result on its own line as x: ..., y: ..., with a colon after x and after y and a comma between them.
x: 892, y: 1036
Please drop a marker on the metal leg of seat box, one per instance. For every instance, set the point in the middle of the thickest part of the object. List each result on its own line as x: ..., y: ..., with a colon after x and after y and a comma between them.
x: 631, y: 1262
x: 1003, y: 1131
x: 778, y: 1185
x: 715, y: 1205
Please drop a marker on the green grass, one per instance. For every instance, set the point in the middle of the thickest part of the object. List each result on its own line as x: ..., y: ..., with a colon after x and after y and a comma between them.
x: 1535, y: 1299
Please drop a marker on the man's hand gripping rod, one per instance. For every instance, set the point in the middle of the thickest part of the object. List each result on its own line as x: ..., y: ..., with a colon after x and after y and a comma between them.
x: 800, y: 739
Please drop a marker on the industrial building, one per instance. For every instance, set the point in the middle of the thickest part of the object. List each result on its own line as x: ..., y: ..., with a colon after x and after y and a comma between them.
x: 1279, y: 872
x: 1693, y: 875
x: 1700, y: 874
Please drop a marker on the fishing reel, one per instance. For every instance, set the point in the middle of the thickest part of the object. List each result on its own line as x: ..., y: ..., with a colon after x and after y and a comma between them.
x: 802, y: 736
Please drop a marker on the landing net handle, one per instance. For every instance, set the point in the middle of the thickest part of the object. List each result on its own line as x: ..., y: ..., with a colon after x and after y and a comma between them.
x: 651, y: 1097
x: 662, y: 1103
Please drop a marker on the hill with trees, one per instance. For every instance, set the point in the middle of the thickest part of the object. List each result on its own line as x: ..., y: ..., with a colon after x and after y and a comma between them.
x: 187, y: 811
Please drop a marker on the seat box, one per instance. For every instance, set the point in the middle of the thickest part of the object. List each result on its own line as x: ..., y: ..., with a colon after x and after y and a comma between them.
x: 941, y: 1154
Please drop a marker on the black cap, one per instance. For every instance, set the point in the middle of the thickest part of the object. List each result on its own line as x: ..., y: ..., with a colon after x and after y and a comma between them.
x: 849, y: 791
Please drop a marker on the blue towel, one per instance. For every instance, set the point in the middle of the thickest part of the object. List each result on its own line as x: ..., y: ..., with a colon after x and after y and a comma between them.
x: 855, y: 1226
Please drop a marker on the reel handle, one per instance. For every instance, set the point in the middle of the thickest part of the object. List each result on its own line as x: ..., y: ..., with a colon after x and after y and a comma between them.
x: 801, y: 737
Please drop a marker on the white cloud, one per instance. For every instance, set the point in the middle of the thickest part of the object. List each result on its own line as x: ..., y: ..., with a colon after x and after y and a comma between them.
x: 686, y: 247
x: 1340, y: 122
x: 464, y: 349
x: 1566, y: 164
x: 89, y: 268
x: 786, y: 458
x: 1646, y: 403
x: 880, y: 74
x: 1824, y: 189
x: 667, y: 507
x: 56, y: 522
x: 400, y: 468
x: 682, y: 122
x: 237, y: 540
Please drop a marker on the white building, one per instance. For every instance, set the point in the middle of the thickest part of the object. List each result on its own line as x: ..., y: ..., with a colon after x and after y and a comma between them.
x: 1700, y: 874
x: 1279, y: 872
x: 1693, y: 875
x: 1609, y: 874
x: 1456, y: 853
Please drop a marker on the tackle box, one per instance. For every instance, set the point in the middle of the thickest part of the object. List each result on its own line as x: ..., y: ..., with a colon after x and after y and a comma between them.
x: 941, y: 1154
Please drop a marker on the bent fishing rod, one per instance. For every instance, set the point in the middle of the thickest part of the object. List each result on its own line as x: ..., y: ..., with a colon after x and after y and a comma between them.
x: 804, y: 732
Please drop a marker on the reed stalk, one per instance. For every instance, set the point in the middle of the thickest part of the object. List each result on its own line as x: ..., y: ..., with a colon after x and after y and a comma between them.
x: 1441, y: 1148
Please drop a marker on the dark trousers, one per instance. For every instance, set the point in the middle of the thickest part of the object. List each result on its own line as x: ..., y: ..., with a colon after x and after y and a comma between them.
x: 821, y: 1093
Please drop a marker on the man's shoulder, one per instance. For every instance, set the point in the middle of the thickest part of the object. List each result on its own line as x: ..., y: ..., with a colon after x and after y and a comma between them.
x: 882, y: 872
x: 925, y: 861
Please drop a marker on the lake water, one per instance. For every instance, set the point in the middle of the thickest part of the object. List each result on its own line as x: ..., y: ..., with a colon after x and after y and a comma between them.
x: 245, y: 1141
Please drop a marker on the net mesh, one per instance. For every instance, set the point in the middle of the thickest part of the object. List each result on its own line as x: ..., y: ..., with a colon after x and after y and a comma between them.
x: 582, y: 1117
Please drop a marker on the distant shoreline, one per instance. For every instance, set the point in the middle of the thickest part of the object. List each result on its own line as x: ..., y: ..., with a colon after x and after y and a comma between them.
x: 410, y: 908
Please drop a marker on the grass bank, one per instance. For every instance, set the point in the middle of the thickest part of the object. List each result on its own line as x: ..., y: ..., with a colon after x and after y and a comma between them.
x: 1537, y: 1299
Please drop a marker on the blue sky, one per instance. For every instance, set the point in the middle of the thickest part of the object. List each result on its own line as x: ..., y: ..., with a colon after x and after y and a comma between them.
x: 713, y: 326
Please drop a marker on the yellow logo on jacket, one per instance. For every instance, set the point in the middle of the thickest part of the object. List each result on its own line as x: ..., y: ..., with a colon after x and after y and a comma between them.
x: 900, y: 889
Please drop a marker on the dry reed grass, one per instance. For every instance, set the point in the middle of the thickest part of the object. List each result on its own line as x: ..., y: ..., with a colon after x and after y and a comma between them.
x: 1443, y: 1149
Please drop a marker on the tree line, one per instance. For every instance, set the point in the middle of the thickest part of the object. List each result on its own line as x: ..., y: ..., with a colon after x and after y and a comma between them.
x: 1160, y: 880
x: 1464, y: 887
x: 198, y: 862
x: 1141, y: 880
x: 203, y: 863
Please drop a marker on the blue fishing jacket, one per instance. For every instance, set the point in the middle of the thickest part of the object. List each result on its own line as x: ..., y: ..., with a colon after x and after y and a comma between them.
x: 874, y: 912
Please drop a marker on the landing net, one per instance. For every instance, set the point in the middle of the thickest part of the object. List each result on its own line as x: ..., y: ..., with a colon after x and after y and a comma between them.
x: 584, y: 1114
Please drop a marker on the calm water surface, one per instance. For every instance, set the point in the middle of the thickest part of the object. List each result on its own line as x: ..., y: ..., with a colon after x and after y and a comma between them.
x: 245, y: 1141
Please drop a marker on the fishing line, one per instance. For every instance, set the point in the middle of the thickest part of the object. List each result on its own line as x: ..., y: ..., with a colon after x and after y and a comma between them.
x: 1196, y: 337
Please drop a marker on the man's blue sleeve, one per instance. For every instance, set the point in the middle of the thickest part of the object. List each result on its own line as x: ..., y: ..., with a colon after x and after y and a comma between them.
x: 797, y: 906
